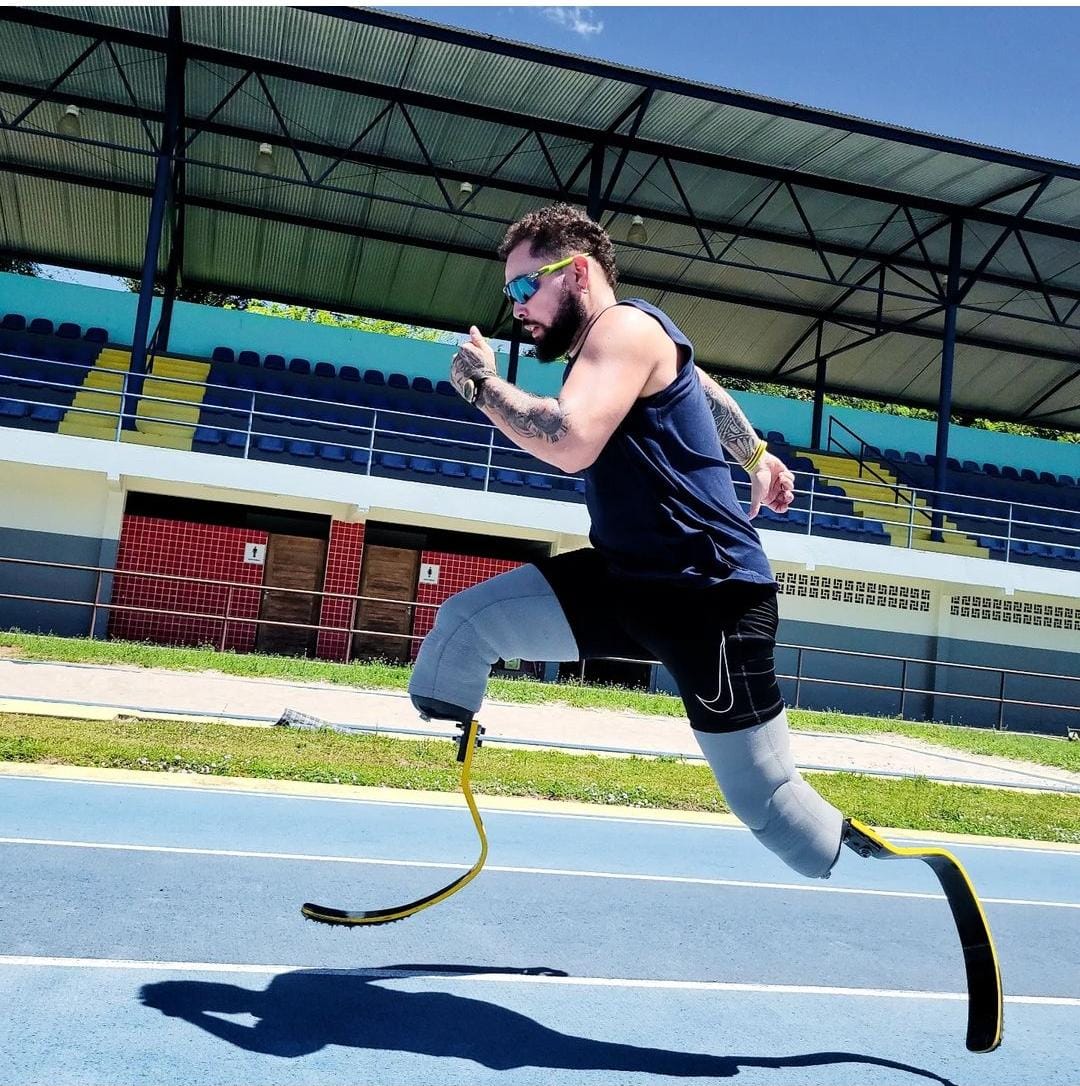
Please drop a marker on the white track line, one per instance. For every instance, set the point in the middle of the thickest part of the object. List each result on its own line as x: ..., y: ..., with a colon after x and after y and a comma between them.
x: 489, y: 807
x: 506, y: 870
x: 20, y: 960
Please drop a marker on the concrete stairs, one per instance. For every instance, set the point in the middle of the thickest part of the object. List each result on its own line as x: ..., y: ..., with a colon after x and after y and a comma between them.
x: 156, y: 423
x: 891, y: 505
x: 101, y: 391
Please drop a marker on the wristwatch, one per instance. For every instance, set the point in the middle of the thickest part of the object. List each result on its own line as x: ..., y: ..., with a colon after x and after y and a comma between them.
x: 471, y: 389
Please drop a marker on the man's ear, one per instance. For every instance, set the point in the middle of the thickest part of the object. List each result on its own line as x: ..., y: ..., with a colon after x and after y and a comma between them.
x: 581, y: 273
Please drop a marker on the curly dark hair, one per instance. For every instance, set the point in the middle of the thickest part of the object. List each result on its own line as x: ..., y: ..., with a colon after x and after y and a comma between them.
x: 560, y: 230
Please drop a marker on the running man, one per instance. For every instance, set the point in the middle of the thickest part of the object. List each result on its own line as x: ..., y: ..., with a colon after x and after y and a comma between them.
x: 676, y: 571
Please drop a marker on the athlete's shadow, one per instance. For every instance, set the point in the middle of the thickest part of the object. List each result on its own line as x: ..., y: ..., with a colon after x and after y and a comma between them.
x: 299, y: 1013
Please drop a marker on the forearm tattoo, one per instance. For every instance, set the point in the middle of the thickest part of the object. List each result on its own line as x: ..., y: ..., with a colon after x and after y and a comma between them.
x: 736, y: 433
x: 527, y: 415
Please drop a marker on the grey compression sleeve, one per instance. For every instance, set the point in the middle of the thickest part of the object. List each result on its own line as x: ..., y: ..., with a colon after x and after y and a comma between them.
x: 757, y: 774
x: 515, y: 616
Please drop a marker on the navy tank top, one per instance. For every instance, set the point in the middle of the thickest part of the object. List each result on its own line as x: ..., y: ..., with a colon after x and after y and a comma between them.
x: 660, y: 494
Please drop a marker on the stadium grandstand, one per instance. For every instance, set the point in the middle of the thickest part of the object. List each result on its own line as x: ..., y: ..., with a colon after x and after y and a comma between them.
x: 190, y: 474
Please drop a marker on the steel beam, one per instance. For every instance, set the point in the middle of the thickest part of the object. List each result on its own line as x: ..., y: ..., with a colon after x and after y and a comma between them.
x: 953, y: 292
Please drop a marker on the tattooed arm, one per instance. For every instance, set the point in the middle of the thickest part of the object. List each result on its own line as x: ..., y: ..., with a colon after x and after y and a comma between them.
x: 736, y: 433
x: 771, y: 484
x: 571, y: 430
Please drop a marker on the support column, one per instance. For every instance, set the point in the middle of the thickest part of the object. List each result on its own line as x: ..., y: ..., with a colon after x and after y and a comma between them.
x: 819, y: 392
x: 176, y: 263
x: 163, y: 174
x: 948, y: 351
x: 595, y: 206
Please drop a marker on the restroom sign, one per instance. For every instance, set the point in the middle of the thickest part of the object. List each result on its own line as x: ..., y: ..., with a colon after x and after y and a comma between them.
x: 429, y: 573
x: 255, y: 553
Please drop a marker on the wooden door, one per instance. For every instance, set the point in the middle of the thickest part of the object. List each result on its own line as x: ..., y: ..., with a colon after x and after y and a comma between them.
x: 292, y: 561
x: 389, y: 573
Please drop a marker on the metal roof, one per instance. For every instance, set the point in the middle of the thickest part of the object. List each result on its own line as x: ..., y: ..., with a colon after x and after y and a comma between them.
x: 777, y: 234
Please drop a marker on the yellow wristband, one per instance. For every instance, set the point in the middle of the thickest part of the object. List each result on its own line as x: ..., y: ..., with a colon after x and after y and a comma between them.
x: 756, y: 456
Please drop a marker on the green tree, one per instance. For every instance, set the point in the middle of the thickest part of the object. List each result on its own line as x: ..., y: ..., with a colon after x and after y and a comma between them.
x: 344, y: 320
x: 196, y: 295
x: 17, y: 265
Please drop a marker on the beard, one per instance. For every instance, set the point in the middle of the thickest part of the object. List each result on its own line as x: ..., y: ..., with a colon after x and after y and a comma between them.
x: 556, y: 340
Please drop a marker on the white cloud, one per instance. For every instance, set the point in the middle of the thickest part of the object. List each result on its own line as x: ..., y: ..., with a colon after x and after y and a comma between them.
x: 579, y: 20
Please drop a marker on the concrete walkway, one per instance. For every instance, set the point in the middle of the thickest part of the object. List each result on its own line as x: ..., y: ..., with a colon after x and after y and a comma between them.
x: 87, y: 690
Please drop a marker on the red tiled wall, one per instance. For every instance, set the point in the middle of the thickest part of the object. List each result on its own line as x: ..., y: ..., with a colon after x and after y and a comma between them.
x: 203, y: 552
x: 342, y: 575
x: 456, y: 572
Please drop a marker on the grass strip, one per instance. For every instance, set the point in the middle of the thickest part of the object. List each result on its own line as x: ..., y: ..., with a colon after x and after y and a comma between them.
x: 668, y: 783
x: 1041, y: 750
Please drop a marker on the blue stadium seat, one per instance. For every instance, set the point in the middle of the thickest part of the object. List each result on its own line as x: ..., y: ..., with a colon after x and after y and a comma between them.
x: 893, y: 454
x: 394, y: 461
x: 423, y: 465
x: 46, y: 413
x: 300, y: 366
x: 1029, y: 476
x: 444, y: 388
x: 360, y: 457
x: 774, y: 437
x: 334, y: 453
x: 477, y: 472
x: 1048, y: 478
x: 39, y: 326
x: 349, y: 373
x: 1010, y: 473
x: 235, y: 439
x: 67, y: 330
x: 453, y: 470
x: 222, y: 354
x: 538, y: 482
x: 206, y: 435
x: 375, y: 378
x: 508, y: 478
x: 269, y: 444
x: 325, y: 369
x: 96, y: 335
x: 971, y: 467
x: 274, y: 362
x: 247, y: 358
x: 1066, y: 480
x: 913, y: 458
x: 10, y: 409
x: 398, y: 381
x: 422, y: 384
x: 302, y: 448
x: 13, y: 322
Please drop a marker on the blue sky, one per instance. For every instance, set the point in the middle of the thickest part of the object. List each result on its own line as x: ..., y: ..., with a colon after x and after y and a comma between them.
x: 1004, y: 76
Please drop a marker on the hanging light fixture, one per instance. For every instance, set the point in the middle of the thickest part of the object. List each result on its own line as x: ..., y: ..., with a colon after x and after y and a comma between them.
x: 465, y: 188
x: 69, y: 123
x: 637, y: 232
x: 265, y: 161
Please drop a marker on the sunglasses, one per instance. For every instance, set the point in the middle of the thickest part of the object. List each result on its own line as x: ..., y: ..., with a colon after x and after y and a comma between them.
x: 522, y: 287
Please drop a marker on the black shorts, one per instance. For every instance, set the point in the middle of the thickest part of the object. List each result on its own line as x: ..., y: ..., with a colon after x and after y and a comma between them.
x: 716, y: 641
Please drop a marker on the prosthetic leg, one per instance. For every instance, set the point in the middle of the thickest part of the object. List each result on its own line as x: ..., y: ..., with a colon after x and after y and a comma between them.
x: 513, y: 616
x: 757, y: 774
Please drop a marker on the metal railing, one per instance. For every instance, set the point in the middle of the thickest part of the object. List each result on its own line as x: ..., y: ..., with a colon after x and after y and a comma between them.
x: 999, y: 679
x: 365, y: 435
x: 258, y: 418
